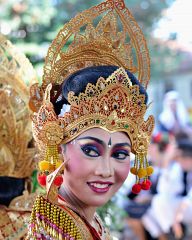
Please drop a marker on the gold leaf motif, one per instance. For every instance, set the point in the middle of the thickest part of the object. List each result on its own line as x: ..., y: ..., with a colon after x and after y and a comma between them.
x: 104, y: 43
x: 16, y: 143
x: 118, y: 107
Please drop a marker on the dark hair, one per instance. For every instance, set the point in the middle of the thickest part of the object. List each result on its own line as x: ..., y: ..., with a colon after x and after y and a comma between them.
x: 185, y: 145
x: 78, y: 81
x: 10, y: 188
x: 181, y: 135
x: 161, y: 139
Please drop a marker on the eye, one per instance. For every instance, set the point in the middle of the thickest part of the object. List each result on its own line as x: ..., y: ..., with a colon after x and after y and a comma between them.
x: 90, y: 150
x: 120, y: 154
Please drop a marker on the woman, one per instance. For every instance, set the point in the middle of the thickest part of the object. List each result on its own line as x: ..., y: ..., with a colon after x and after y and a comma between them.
x: 16, y: 142
x: 93, y: 112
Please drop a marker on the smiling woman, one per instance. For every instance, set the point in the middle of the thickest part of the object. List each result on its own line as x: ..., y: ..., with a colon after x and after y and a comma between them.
x: 105, y: 167
x: 93, y: 111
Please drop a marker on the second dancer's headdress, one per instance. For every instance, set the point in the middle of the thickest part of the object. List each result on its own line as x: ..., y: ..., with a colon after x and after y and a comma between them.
x: 16, y: 149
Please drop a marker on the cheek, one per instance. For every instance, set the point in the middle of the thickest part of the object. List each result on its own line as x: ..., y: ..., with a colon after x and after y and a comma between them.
x: 77, y: 165
x: 122, y: 171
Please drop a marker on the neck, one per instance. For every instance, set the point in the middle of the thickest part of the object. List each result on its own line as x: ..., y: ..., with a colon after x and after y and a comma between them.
x: 75, y: 204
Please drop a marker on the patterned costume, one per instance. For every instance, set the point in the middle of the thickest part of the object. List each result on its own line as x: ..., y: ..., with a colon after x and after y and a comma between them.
x: 16, y: 154
x: 113, y: 104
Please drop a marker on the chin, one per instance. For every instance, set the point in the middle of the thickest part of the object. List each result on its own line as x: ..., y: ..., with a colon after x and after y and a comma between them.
x: 98, y: 201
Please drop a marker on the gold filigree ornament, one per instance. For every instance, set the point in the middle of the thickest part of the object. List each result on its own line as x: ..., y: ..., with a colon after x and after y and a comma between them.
x: 113, y: 104
x: 16, y: 148
x: 49, y: 135
x: 106, y: 34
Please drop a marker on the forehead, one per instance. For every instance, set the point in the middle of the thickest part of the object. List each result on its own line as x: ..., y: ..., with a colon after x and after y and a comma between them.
x: 116, y: 137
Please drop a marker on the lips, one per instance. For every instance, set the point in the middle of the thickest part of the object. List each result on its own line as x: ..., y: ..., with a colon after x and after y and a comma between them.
x: 100, y: 187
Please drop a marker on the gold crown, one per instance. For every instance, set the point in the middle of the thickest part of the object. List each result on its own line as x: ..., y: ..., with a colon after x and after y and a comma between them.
x: 115, y: 40
x: 113, y: 104
x: 16, y: 154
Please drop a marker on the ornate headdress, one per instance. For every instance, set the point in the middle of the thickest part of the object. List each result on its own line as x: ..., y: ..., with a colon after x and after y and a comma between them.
x: 16, y: 149
x: 113, y: 104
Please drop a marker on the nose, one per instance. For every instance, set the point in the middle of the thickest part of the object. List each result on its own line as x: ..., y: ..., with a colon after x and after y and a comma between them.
x: 104, y: 167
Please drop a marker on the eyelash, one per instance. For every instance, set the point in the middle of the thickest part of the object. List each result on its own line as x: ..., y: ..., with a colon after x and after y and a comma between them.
x: 90, y: 148
x: 120, y: 152
x: 87, y: 149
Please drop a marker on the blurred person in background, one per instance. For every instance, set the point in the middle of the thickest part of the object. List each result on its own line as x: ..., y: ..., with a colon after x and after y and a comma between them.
x: 136, y: 205
x: 171, y: 207
x: 16, y: 143
x: 174, y: 118
x: 183, y: 213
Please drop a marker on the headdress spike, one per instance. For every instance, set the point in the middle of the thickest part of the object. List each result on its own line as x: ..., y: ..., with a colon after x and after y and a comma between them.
x: 101, y: 44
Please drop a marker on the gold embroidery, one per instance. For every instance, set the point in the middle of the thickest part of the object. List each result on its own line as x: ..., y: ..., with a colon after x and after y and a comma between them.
x: 56, y: 221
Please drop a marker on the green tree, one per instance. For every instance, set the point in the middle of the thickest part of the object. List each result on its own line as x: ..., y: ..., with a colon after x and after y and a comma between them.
x: 33, y: 24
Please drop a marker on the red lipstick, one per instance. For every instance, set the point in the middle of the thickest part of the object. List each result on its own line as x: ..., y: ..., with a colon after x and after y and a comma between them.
x: 100, y: 186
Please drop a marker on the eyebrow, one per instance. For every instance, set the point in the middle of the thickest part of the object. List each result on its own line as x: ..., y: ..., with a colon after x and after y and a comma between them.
x: 122, y: 145
x: 92, y: 138
x: 103, y: 143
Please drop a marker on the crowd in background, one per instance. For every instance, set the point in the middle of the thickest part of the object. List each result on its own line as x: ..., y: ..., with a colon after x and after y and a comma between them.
x: 164, y: 212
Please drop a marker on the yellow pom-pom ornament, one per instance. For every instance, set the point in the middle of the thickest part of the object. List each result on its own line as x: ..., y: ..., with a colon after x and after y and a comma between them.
x: 44, y: 165
x: 133, y: 170
x: 142, y: 173
x: 150, y: 170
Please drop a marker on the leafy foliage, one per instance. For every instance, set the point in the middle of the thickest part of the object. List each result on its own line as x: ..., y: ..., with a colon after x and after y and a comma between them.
x: 112, y: 216
x: 33, y: 24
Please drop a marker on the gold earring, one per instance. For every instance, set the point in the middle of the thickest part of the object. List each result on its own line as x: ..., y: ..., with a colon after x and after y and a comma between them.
x: 142, y: 171
x: 49, y: 164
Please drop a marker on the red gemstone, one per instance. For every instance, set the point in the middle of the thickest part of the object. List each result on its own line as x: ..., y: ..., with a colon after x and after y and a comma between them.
x: 113, y: 122
x: 120, y: 78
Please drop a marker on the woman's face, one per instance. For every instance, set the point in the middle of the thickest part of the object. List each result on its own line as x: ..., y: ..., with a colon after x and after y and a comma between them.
x: 98, y: 165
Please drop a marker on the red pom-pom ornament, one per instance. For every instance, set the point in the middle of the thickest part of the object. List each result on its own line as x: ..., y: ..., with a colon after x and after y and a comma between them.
x: 145, y: 185
x: 148, y: 182
x: 58, y: 181
x: 42, y: 180
x: 136, y: 188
